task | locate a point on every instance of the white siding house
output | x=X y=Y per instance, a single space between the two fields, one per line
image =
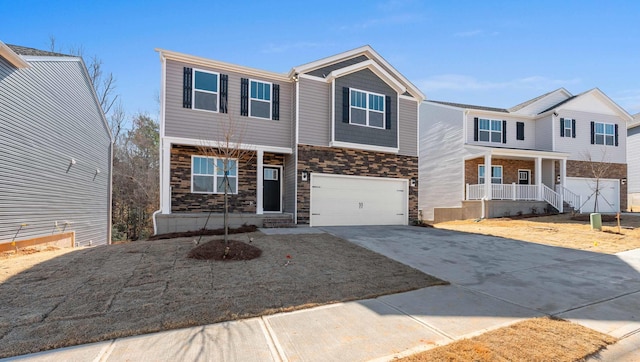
x=478 y=161
x=55 y=150
x=633 y=157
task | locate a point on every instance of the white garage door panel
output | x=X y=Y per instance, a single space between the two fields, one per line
x=345 y=200
x=609 y=195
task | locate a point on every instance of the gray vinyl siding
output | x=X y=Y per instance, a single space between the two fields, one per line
x=48 y=116
x=544 y=132
x=408 y=127
x=324 y=71
x=202 y=125
x=441 y=159
x=365 y=80
x=315 y=112
x=580 y=147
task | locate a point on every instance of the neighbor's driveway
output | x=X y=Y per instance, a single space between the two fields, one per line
x=600 y=291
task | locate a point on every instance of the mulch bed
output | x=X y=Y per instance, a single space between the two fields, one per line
x=205 y=232
x=218 y=250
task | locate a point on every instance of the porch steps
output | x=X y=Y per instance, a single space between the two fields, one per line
x=280 y=221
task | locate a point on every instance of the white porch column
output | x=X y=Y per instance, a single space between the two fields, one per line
x=563 y=172
x=487 y=176
x=538 y=171
x=165 y=176
x=259 y=176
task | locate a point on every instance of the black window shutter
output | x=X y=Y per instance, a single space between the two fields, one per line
x=275 y=103
x=573 y=128
x=593 y=133
x=616 y=135
x=520 y=131
x=561 y=127
x=224 y=89
x=345 y=104
x=244 y=96
x=475 y=129
x=504 y=131
x=186 y=87
x=387 y=112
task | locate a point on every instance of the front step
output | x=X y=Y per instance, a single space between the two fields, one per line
x=285 y=221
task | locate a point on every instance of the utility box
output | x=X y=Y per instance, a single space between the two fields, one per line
x=596 y=221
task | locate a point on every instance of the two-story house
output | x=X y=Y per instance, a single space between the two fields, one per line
x=555 y=150
x=332 y=142
x=633 y=150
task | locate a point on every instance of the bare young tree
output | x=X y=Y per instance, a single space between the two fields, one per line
x=227 y=147
x=599 y=168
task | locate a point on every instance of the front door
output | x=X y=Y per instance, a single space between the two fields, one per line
x=271 y=190
x=524 y=176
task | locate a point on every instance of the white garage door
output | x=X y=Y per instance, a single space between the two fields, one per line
x=352 y=200
x=608 y=196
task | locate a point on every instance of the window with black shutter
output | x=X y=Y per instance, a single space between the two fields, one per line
x=520 y=131
x=244 y=96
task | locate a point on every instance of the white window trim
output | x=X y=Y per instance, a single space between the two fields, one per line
x=604 y=134
x=367 y=109
x=261 y=100
x=215 y=176
x=490 y=130
x=481 y=180
x=193 y=91
x=568 y=126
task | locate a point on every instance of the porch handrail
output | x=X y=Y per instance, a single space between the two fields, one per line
x=475 y=192
x=571 y=198
x=553 y=198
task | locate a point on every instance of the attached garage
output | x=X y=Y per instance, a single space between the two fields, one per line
x=608 y=196
x=355 y=200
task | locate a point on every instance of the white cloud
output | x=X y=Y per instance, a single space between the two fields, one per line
x=398 y=19
x=629 y=100
x=459 y=82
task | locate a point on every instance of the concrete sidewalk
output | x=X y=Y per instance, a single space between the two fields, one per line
x=380 y=328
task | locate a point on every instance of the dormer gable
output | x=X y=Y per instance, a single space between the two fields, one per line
x=593 y=101
x=355 y=60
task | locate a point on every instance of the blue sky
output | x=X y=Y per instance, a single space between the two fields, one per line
x=492 y=53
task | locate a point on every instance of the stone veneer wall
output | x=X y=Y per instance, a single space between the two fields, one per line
x=610 y=171
x=509 y=169
x=344 y=161
x=183 y=200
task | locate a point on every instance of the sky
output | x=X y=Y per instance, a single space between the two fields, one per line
x=490 y=53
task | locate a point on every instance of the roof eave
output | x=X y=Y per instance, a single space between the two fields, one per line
x=12 y=57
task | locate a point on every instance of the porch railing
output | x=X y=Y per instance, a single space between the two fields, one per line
x=553 y=198
x=504 y=192
x=574 y=200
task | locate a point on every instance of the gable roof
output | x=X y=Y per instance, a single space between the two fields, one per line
x=636 y=121
x=470 y=106
x=558 y=92
x=376 y=62
x=12 y=57
x=597 y=92
x=34 y=52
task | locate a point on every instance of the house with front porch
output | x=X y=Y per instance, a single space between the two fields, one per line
x=551 y=153
x=331 y=142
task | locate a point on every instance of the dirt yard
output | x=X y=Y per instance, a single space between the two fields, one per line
x=52 y=299
x=558 y=230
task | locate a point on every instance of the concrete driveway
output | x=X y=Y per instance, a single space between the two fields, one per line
x=600 y=291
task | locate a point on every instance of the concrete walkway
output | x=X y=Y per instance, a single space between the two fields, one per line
x=495 y=282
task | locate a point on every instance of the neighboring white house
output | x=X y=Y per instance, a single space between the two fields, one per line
x=55 y=151
x=489 y=162
x=633 y=156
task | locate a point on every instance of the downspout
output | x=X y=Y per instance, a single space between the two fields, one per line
x=110 y=193
x=163 y=67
